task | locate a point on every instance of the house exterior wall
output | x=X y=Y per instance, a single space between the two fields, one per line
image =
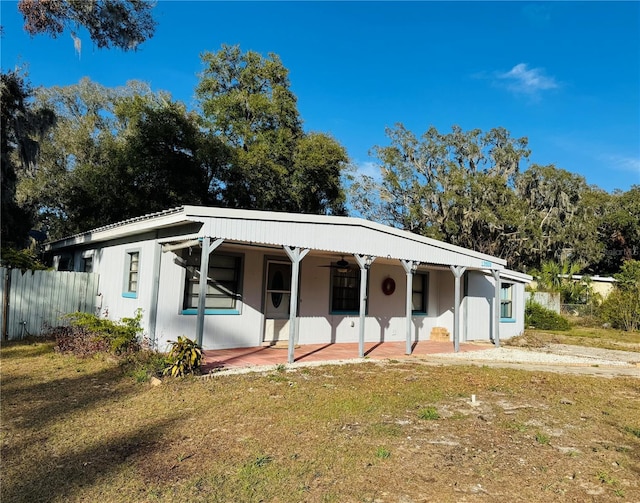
x=161 y=278
x=479 y=303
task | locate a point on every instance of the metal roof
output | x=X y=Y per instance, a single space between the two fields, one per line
x=336 y=234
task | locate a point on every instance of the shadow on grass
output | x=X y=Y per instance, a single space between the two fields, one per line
x=25 y=349
x=46 y=402
x=63 y=477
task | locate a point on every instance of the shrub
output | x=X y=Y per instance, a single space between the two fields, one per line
x=88 y=334
x=622 y=306
x=544 y=319
x=185 y=357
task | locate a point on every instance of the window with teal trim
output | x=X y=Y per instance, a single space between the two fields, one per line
x=224 y=288
x=506 y=301
x=132 y=268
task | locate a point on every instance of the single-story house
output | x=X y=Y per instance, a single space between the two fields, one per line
x=233 y=278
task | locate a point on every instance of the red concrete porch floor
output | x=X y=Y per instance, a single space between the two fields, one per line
x=224 y=359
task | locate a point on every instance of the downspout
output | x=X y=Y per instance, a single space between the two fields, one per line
x=155 y=293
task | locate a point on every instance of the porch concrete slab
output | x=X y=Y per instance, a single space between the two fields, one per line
x=222 y=359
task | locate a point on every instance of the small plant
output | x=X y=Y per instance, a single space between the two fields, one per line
x=542 y=439
x=262 y=460
x=632 y=430
x=429 y=413
x=185 y=357
x=281 y=367
x=383 y=453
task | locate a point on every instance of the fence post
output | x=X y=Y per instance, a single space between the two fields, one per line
x=5 y=301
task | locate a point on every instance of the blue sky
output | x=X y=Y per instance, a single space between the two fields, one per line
x=565 y=75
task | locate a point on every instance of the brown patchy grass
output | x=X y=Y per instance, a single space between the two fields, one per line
x=589 y=336
x=83 y=430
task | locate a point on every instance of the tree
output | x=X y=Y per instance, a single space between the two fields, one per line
x=22 y=128
x=247 y=103
x=620 y=229
x=457 y=187
x=116 y=154
x=562 y=216
x=111 y=23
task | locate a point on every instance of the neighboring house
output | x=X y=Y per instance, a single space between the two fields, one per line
x=275 y=277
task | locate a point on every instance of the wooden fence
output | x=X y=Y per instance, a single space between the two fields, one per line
x=33 y=300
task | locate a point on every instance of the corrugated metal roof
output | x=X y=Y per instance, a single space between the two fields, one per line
x=336 y=234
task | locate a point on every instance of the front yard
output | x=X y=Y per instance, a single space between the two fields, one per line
x=86 y=430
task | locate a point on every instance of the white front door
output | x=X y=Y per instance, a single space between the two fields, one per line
x=277 y=300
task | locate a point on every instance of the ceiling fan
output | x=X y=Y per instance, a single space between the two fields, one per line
x=341 y=265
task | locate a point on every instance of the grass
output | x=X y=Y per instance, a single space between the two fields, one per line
x=90 y=429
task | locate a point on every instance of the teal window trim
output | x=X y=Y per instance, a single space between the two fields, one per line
x=189 y=303
x=345 y=313
x=128 y=273
x=191 y=312
x=506 y=303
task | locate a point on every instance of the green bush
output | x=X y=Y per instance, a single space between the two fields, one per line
x=185 y=357
x=542 y=318
x=88 y=333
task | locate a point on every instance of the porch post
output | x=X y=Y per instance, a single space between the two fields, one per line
x=457 y=271
x=296 y=255
x=208 y=245
x=364 y=261
x=410 y=268
x=496 y=309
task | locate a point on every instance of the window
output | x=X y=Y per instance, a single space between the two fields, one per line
x=87 y=264
x=65 y=263
x=224 y=290
x=506 y=301
x=345 y=291
x=419 y=293
x=132 y=268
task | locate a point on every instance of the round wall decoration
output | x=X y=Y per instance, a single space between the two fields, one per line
x=388 y=286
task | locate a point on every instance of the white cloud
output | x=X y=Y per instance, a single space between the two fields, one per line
x=623 y=163
x=368 y=168
x=525 y=80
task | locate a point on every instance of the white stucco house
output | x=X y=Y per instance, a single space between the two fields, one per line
x=273 y=277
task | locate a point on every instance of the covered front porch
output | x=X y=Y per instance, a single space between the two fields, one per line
x=236 y=358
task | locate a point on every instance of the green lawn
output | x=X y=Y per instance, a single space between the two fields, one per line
x=86 y=430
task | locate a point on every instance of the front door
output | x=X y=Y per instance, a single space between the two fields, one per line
x=277 y=299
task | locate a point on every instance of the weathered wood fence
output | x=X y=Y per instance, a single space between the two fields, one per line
x=33 y=300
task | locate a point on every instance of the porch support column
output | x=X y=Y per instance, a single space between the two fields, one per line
x=410 y=268
x=364 y=261
x=457 y=271
x=296 y=255
x=496 y=307
x=208 y=245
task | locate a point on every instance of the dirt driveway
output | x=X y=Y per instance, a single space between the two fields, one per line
x=560 y=358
